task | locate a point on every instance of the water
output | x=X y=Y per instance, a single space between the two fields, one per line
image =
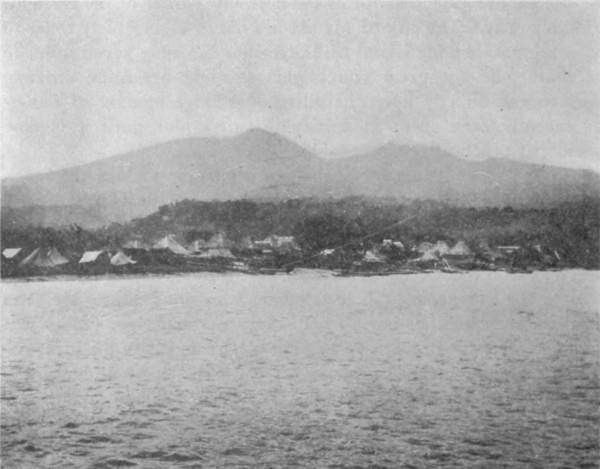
x=480 y=370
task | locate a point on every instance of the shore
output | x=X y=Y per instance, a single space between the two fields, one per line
x=62 y=276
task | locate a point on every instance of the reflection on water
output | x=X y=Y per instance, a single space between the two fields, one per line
x=480 y=370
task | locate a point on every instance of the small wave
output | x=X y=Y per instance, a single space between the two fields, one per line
x=133 y=423
x=96 y=439
x=438 y=456
x=178 y=457
x=234 y=452
x=417 y=442
x=486 y=443
x=106 y=420
x=149 y=455
x=141 y=436
x=108 y=463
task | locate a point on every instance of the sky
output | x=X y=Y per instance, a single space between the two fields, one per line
x=83 y=81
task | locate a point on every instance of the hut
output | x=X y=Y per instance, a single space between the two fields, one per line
x=48 y=257
x=169 y=243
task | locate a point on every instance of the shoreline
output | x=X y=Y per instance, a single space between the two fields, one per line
x=71 y=277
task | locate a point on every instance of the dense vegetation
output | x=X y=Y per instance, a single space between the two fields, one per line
x=572 y=229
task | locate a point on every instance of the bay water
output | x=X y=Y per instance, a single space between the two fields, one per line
x=480 y=370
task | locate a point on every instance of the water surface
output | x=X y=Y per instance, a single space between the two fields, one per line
x=479 y=370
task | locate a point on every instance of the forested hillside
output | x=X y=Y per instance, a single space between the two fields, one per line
x=570 y=228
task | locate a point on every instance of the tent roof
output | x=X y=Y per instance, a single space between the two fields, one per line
x=9 y=253
x=90 y=256
x=168 y=242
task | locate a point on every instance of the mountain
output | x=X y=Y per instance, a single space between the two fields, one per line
x=136 y=183
x=421 y=172
x=263 y=165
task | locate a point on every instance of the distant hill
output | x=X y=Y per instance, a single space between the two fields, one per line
x=263 y=165
x=420 y=172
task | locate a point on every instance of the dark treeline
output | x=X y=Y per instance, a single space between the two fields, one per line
x=571 y=228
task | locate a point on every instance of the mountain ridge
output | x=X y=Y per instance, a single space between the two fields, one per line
x=262 y=164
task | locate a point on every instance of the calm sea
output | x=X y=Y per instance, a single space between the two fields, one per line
x=483 y=370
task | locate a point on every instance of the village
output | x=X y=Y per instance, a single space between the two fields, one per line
x=275 y=254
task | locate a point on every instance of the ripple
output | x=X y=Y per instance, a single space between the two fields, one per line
x=149 y=455
x=108 y=463
x=97 y=439
x=234 y=452
x=71 y=425
x=179 y=457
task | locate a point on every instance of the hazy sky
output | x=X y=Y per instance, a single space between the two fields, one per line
x=82 y=81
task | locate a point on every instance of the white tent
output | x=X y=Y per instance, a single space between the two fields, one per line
x=460 y=249
x=371 y=256
x=11 y=253
x=441 y=248
x=168 y=242
x=90 y=256
x=45 y=257
x=429 y=256
x=120 y=258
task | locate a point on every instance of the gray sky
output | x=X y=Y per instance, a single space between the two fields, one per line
x=82 y=81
